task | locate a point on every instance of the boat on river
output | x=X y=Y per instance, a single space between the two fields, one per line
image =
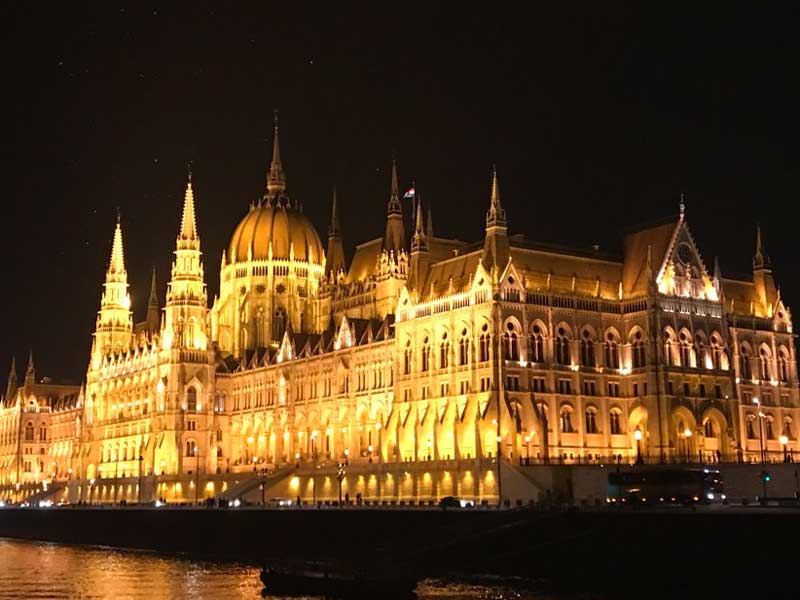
x=329 y=582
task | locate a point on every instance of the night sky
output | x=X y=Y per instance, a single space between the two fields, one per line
x=596 y=120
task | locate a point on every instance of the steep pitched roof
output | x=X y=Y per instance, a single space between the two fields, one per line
x=658 y=238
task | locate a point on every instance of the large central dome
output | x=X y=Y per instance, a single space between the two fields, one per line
x=284 y=227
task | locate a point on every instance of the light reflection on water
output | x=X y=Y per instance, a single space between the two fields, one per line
x=41 y=570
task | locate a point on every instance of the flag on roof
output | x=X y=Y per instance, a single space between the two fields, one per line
x=410 y=193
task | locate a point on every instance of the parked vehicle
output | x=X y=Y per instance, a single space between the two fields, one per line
x=665 y=486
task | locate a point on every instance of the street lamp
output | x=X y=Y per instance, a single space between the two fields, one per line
x=687 y=433
x=784 y=440
x=340 y=473
x=370 y=452
x=197 y=474
x=141 y=458
x=346 y=456
x=527 y=449
x=637 y=435
x=297 y=458
x=499 y=488
x=761 y=416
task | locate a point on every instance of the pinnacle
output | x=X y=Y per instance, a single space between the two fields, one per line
x=188 y=221
x=117 y=263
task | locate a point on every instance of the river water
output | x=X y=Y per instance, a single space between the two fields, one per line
x=41 y=570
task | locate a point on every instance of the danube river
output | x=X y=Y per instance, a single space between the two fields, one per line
x=42 y=570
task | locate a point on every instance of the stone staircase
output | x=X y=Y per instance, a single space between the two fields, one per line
x=252 y=482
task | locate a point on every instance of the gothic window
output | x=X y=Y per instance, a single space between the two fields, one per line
x=669 y=348
x=591 y=420
x=787 y=427
x=191 y=332
x=612 y=351
x=483 y=345
x=763 y=364
x=587 y=349
x=751 y=433
x=426 y=355
x=744 y=363
x=639 y=356
x=566 y=420
x=279 y=324
x=29 y=432
x=562 y=347
x=407 y=359
x=716 y=353
x=537 y=345
x=444 y=352
x=43 y=433
x=510 y=343
x=708 y=429
x=463 y=348
x=260 y=341
x=191 y=400
x=191 y=448
x=614 y=423
x=783 y=365
x=770 y=429
x=685 y=350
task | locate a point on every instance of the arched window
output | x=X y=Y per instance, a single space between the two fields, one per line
x=770 y=428
x=708 y=428
x=745 y=368
x=685 y=348
x=639 y=352
x=751 y=430
x=537 y=345
x=407 y=359
x=191 y=448
x=191 y=399
x=763 y=363
x=191 y=332
x=587 y=349
x=29 y=432
x=700 y=354
x=716 y=353
x=510 y=343
x=566 y=420
x=783 y=365
x=614 y=422
x=279 y=324
x=787 y=427
x=562 y=347
x=591 y=420
x=463 y=348
x=444 y=352
x=612 y=351
x=43 y=433
x=483 y=345
x=426 y=355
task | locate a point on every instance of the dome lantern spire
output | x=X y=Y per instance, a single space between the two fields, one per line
x=188 y=220
x=276 y=182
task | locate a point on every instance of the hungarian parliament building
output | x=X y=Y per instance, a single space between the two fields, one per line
x=421 y=365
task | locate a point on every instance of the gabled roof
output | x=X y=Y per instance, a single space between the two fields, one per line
x=658 y=238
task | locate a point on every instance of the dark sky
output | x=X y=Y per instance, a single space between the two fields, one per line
x=597 y=120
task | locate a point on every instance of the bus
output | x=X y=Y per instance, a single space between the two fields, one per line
x=665 y=486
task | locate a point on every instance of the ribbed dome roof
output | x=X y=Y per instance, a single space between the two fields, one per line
x=280 y=225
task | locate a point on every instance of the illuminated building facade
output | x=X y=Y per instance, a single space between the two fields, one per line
x=422 y=351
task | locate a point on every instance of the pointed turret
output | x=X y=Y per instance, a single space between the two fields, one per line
x=394 y=238
x=188 y=230
x=11 y=388
x=185 y=313
x=30 y=374
x=495 y=247
x=763 y=280
x=114 y=326
x=419 y=243
x=153 y=312
x=276 y=182
x=418 y=269
x=335 y=255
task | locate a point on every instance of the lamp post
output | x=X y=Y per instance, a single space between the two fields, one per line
x=527 y=449
x=784 y=440
x=761 y=416
x=141 y=458
x=340 y=473
x=347 y=456
x=637 y=435
x=499 y=487
x=370 y=452
x=687 y=433
x=297 y=458
x=263 y=492
x=91 y=490
x=196 y=474
x=116 y=482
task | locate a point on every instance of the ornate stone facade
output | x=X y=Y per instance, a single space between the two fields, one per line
x=424 y=350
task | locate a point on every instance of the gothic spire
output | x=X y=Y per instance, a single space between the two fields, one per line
x=276 y=182
x=334 y=259
x=761 y=259
x=117 y=263
x=12 y=374
x=188 y=221
x=496 y=215
x=420 y=241
x=394 y=206
x=153 y=300
x=429 y=222
x=11 y=387
x=334 y=230
x=31 y=369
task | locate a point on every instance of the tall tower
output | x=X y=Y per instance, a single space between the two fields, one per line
x=419 y=251
x=335 y=254
x=153 y=312
x=764 y=282
x=185 y=313
x=495 y=246
x=114 y=326
x=11 y=388
x=395 y=237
